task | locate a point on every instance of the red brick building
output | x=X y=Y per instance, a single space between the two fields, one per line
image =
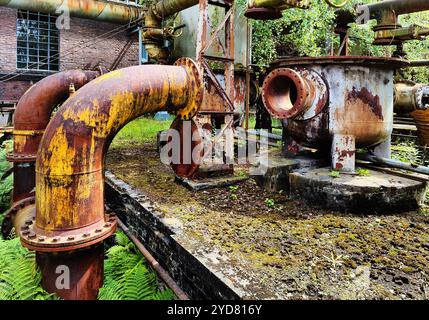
x=32 y=47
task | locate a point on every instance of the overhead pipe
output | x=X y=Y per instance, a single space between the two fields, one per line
x=69 y=216
x=113 y=12
x=153 y=18
x=399 y=7
x=31 y=117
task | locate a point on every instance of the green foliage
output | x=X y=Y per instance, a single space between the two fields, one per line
x=19 y=276
x=6 y=181
x=334 y=174
x=126 y=277
x=141 y=130
x=407 y=151
x=363 y=172
x=310 y=33
x=270 y=203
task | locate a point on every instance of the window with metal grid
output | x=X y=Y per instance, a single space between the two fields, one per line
x=37 y=41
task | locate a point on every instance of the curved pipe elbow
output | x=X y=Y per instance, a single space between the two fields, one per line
x=34 y=109
x=70 y=162
x=31 y=117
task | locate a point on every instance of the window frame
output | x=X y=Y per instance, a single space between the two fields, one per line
x=33 y=54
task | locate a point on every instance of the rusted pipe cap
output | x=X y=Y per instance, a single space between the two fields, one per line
x=196 y=89
x=284 y=93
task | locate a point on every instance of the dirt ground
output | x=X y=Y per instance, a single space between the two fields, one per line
x=291 y=251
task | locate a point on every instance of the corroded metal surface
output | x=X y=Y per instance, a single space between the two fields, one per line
x=113 y=12
x=69 y=168
x=359 y=108
x=409 y=98
x=85 y=268
x=69 y=212
x=31 y=117
x=294 y=93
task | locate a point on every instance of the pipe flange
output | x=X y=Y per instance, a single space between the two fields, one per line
x=20 y=157
x=39 y=240
x=10 y=215
x=284 y=93
x=196 y=90
x=318 y=94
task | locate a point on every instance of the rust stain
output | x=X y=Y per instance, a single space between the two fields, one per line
x=368 y=98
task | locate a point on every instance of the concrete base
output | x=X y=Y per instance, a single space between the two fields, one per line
x=277 y=172
x=207 y=183
x=376 y=193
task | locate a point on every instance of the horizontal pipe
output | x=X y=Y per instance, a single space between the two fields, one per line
x=165 y=8
x=419 y=63
x=394 y=163
x=398 y=6
x=163 y=274
x=113 y=12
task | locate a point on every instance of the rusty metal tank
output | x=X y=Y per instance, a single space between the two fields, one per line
x=339 y=103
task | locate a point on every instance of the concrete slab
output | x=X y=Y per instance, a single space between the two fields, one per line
x=214 y=182
x=277 y=171
x=375 y=192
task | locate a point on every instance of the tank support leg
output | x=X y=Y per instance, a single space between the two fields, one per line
x=343 y=153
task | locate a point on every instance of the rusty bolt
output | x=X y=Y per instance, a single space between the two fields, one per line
x=28 y=222
x=24 y=227
x=107 y=225
x=56 y=239
x=31 y=235
x=41 y=239
x=86 y=235
x=98 y=230
x=70 y=238
x=25 y=232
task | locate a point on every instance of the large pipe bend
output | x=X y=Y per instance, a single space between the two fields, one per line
x=31 y=117
x=70 y=162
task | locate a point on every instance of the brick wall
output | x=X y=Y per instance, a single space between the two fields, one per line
x=96 y=48
x=84 y=46
x=7 y=39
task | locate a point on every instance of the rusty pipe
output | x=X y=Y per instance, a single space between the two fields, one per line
x=398 y=6
x=69 y=211
x=409 y=98
x=31 y=117
x=289 y=93
x=166 y=8
x=113 y=12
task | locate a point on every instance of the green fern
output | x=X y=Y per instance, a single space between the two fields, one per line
x=19 y=277
x=6 y=180
x=126 y=277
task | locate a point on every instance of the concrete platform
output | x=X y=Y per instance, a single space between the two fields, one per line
x=377 y=192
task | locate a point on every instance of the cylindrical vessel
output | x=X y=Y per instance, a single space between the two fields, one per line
x=357 y=114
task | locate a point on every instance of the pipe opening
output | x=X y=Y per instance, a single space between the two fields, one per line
x=285 y=93
x=282 y=94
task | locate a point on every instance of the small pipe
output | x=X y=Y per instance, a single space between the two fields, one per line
x=163 y=274
x=394 y=163
x=419 y=63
